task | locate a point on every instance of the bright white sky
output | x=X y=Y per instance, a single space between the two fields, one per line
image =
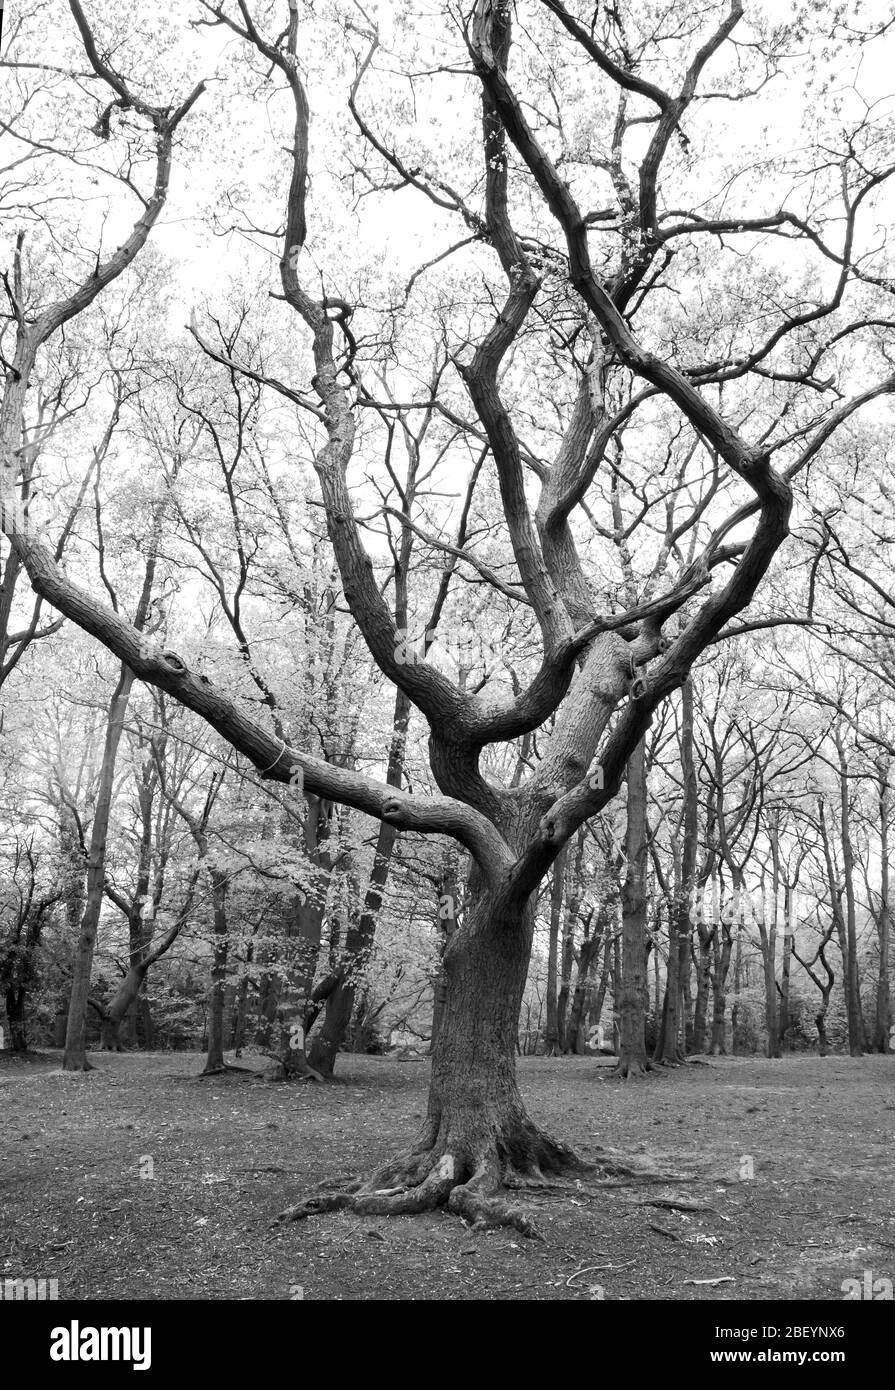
x=406 y=228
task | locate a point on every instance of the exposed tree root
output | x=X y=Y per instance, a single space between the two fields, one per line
x=225 y=1070
x=475 y=1199
x=463 y=1176
x=295 y=1068
x=469 y=1180
x=670 y=1063
x=676 y=1204
x=630 y=1069
x=613 y=1165
x=298 y=1068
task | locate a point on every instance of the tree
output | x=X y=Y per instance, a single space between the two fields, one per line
x=141 y=907
x=75 y=1057
x=632 y=1060
x=883 y=912
x=23 y=915
x=605 y=664
x=669 y=1047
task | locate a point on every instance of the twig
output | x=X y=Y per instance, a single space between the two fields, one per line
x=589 y=1269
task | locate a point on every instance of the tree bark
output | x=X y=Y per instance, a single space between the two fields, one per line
x=15 y=1013
x=686 y=972
x=722 y=948
x=131 y=990
x=703 y=984
x=632 y=1061
x=783 y=1019
x=567 y=953
x=353 y=951
x=268 y=999
x=856 y=1038
x=843 y=923
x=825 y=986
x=75 y=1056
x=448 y=908
x=214 y=1061
x=304 y=928
x=669 y=1048
x=477 y=1134
x=237 y=1037
x=767 y=930
x=588 y=955
x=883 y=1020
x=551 y=1037
x=360 y=934
x=284 y=1020
x=477 y=1128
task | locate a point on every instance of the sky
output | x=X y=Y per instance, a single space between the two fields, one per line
x=236 y=135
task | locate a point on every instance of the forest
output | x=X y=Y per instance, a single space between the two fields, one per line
x=446 y=615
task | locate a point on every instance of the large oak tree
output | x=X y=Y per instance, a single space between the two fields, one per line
x=586 y=295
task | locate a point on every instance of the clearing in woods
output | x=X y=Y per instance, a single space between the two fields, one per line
x=228 y=1154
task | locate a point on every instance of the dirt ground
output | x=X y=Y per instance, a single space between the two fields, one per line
x=796 y=1189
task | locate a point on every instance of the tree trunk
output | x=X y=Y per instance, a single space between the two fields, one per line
x=603 y=987
x=722 y=948
x=551 y=1038
x=783 y=1021
x=852 y=982
x=825 y=987
x=15 y=1013
x=329 y=1039
x=285 y=1014
x=476 y=1118
x=821 y=1015
x=143 y=1014
x=820 y=1023
x=883 y=1020
x=769 y=974
x=304 y=929
x=703 y=979
x=268 y=1000
x=448 y=907
x=75 y=1057
x=567 y=954
x=820 y=1018
x=849 y=967
x=360 y=935
x=214 y=1061
x=237 y=1037
x=767 y=928
x=616 y=989
x=130 y=994
x=686 y=954
x=669 y=1048
x=632 y=1060
x=477 y=1134
x=657 y=985
x=571 y=1027
x=737 y=1043
x=121 y=1006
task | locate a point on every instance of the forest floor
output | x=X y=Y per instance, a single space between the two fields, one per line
x=227 y=1154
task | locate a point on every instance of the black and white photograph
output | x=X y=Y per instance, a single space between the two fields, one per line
x=447 y=669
